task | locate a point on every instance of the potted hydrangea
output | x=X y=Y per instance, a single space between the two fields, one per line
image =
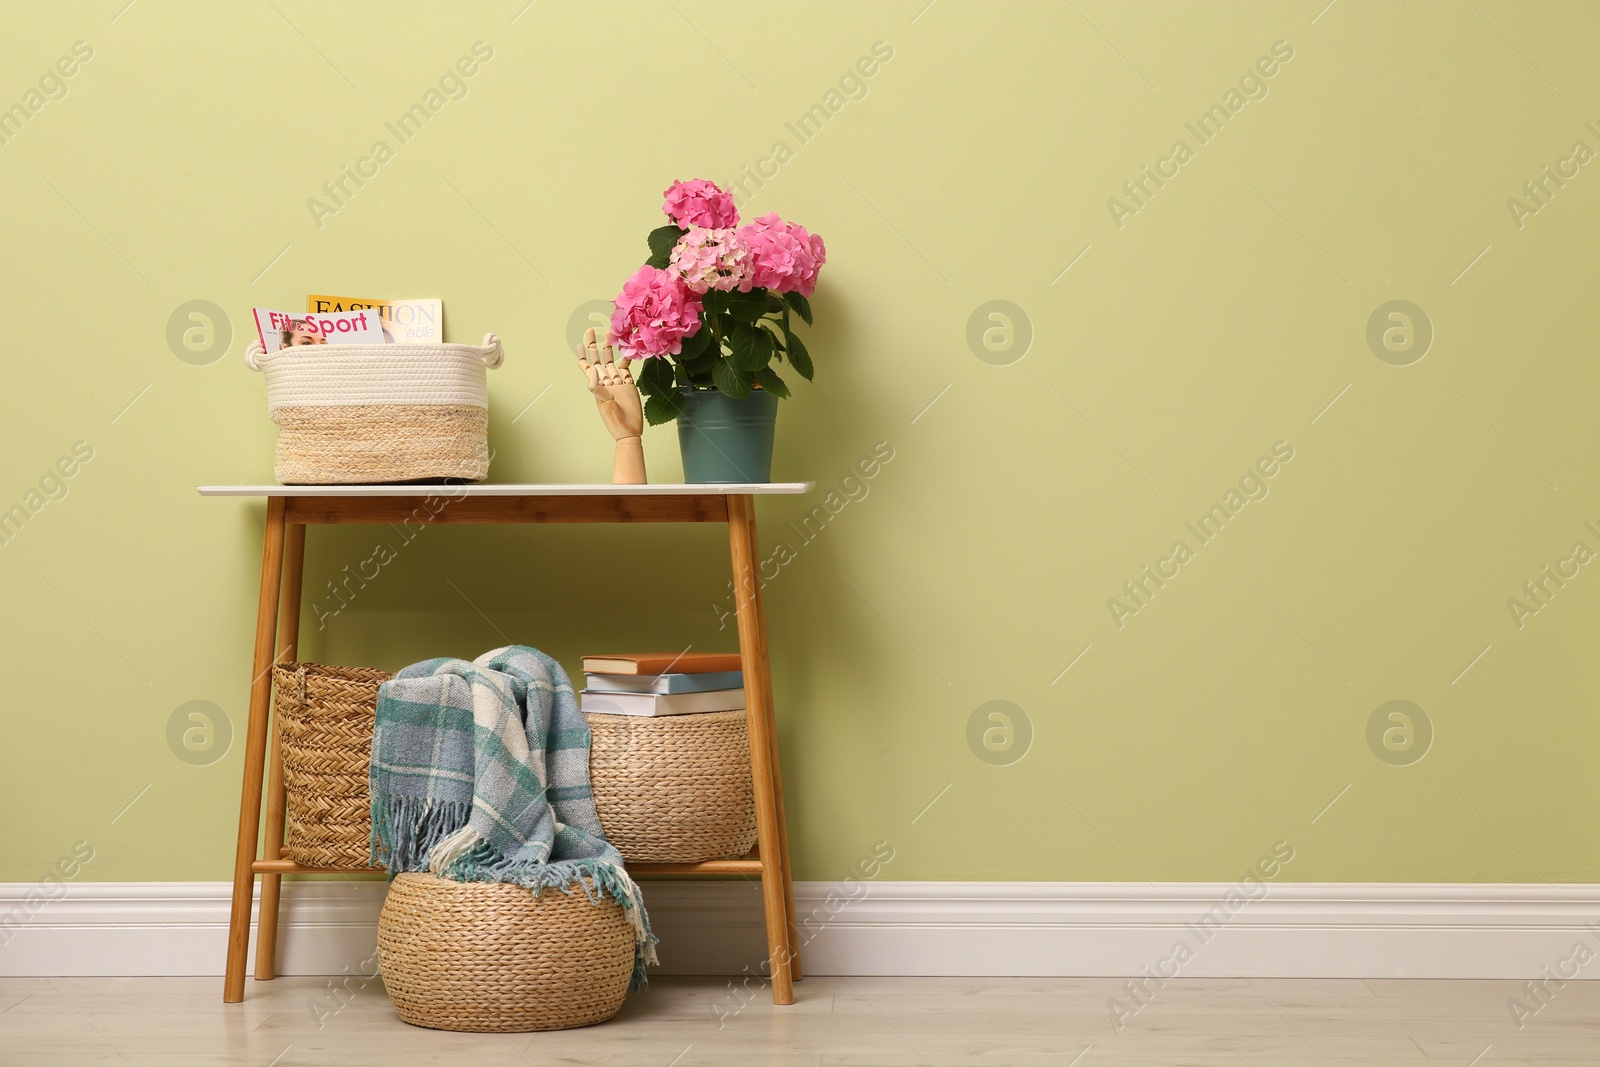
x=706 y=318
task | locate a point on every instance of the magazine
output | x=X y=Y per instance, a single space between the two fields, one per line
x=283 y=329
x=404 y=321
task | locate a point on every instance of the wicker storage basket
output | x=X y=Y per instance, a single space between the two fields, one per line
x=673 y=788
x=351 y=414
x=325 y=717
x=485 y=957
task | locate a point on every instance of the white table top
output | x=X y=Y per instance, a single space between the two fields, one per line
x=483 y=489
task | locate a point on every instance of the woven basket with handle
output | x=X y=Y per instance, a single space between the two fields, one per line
x=365 y=413
x=673 y=788
x=325 y=718
x=492 y=958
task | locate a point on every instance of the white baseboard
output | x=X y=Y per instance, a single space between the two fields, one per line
x=1325 y=930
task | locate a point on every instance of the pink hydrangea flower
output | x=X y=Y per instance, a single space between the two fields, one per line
x=711 y=259
x=654 y=313
x=806 y=283
x=784 y=257
x=700 y=203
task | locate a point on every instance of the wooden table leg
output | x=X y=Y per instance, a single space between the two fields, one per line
x=765 y=681
x=753 y=651
x=294 y=559
x=255 y=752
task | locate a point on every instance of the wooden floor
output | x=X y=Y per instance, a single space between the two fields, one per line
x=881 y=1022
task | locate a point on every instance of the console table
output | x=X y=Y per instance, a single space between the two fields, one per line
x=291 y=508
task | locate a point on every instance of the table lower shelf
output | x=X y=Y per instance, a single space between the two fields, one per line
x=746 y=864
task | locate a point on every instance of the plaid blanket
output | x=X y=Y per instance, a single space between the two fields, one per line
x=480 y=773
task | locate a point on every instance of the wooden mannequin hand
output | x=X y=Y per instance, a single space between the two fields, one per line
x=617 y=397
x=613 y=388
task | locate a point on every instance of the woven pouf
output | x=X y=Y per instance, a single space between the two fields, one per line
x=673 y=788
x=491 y=958
x=325 y=717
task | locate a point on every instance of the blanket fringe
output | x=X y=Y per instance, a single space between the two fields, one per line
x=406 y=830
x=453 y=847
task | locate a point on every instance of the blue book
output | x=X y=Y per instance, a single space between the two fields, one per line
x=662 y=684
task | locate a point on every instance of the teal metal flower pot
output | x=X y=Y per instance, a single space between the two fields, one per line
x=727 y=440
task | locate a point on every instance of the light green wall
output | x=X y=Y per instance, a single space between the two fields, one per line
x=1217 y=320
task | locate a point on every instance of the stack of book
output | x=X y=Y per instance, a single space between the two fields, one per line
x=662 y=683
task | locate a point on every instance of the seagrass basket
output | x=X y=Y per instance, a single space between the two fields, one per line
x=673 y=788
x=365 y=414
x=491 y=958
x=325 y=718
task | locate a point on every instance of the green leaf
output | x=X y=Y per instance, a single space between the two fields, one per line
x=799 y=357
x=752 y=347
x=747 y=307
x=663 y=407
x=695 y=345
x=715 y=302
x=655 y=376
x=700 y=365
x=741 y=338
x=777 y=344
x=768 y=379
x=761 y=350
x=661 y=242
x=730 y=381
x=801 y=305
